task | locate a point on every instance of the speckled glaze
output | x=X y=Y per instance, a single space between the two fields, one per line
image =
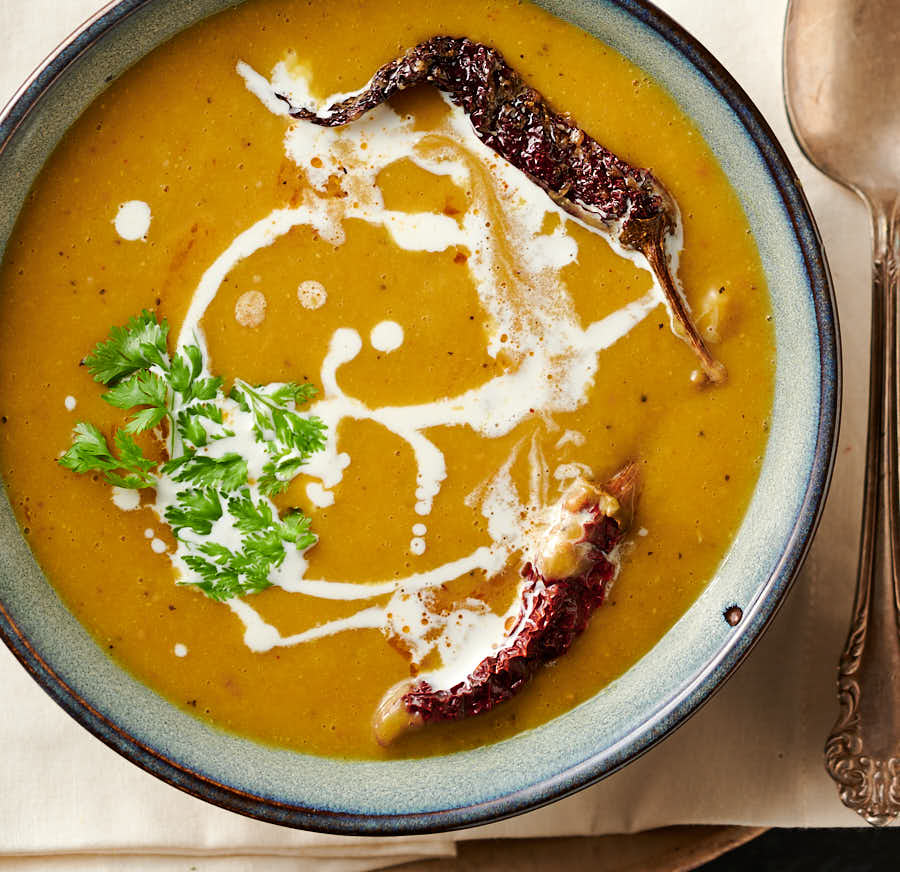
x=632 y=713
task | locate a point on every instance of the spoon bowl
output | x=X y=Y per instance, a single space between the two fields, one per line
x=842 y=77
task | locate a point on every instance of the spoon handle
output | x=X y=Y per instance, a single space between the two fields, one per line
x=862 y=753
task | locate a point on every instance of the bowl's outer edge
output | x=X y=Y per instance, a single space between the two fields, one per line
x=690 y=698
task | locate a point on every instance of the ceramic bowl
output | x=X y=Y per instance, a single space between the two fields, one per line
x=627 y=717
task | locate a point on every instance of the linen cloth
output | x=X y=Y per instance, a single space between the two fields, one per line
x=752 y=756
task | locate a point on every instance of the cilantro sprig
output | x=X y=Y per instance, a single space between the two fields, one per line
x=90 y=452
x=230 y=535
x=289 y=438
x=226 y=572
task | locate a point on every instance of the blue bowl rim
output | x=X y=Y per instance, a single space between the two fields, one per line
x=769 y=598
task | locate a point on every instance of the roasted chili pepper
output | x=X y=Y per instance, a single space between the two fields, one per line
x=564 y=582
x=578 y=173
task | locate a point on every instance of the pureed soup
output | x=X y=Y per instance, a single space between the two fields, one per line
x=366 y=420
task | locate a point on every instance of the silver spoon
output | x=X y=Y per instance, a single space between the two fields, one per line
x=842 y=88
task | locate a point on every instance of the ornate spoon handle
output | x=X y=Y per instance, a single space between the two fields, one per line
x=862 y=753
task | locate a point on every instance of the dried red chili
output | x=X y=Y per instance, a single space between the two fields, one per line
x=566 y=582
x=578 y=173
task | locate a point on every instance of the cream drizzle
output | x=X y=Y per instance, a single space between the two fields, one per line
x=132 y=221
x=530 y=317
x=386 y=336
x=126 y=499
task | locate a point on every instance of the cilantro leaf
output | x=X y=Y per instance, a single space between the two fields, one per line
x=90 y=452
x=139 y=345
x=289 y=436
x=228 y=471
x=295 y=528
x=146 y=419
x=205 y=388
x=297 y=392
x=224 y=572
x=142 y=388
x=195 y=509
x=250 y=517
x=179 y=374
x=278 y=473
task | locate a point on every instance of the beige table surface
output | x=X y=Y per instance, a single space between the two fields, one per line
x=752 y=756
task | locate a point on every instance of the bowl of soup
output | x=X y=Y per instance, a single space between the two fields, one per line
x=358 y=476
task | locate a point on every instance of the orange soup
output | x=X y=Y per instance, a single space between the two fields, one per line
x=275 y=561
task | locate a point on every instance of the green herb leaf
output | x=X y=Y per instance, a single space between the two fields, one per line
x=130 y=454
x=179 y=374
x=297 y=392
x=196 y=509
x=229 y=472
x=250 y=517
x=204 y=389
x=90 y=452
x=139 y=345
x=142 y=388
x=290 y=437
x=146 y=419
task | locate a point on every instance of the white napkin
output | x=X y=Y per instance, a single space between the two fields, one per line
x=752 y=756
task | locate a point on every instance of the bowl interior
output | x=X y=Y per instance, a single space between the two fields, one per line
x=627 y=716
